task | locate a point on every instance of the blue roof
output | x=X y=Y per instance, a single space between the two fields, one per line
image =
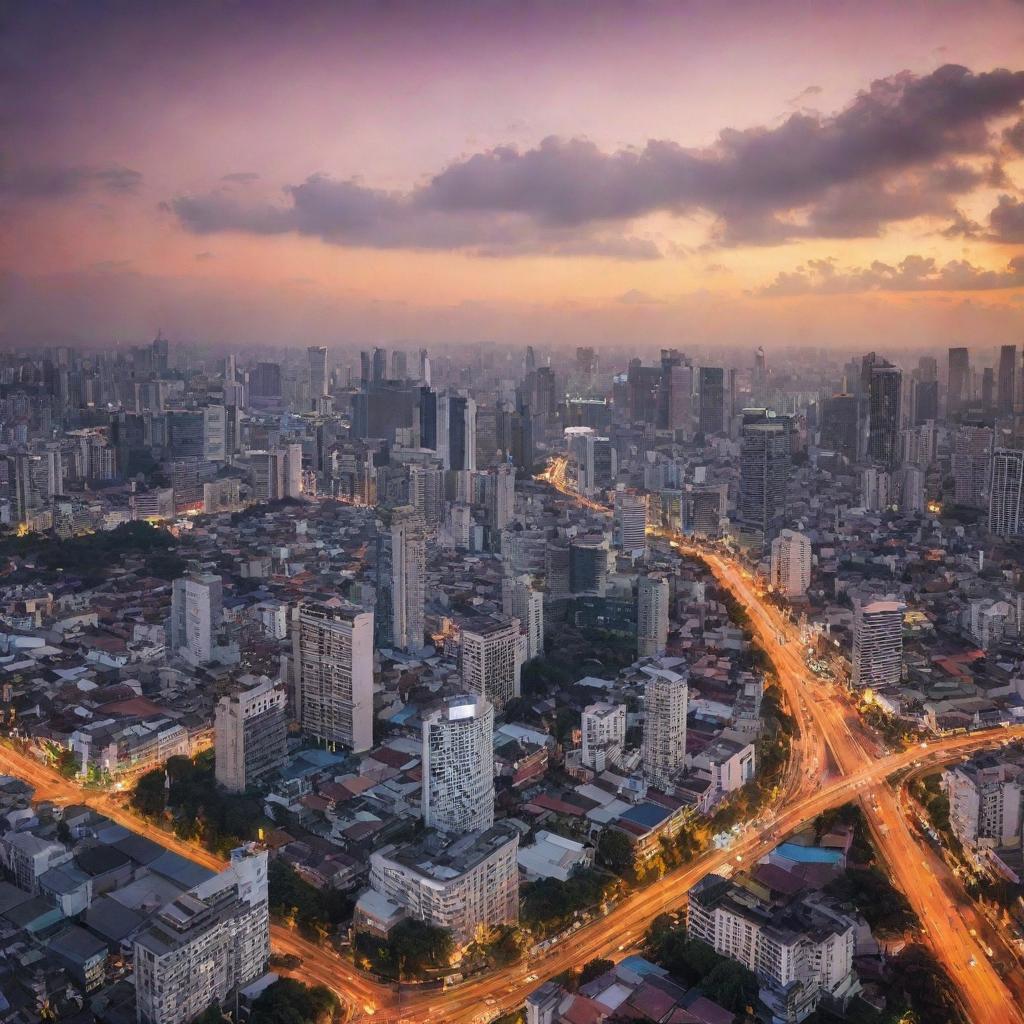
x=638 y=965
x=179 y=869
x=648 y=815
x=808 y=854
x=403 y=716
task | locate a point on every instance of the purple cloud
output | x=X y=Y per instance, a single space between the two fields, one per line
x=44 y=183
x=1007 y=220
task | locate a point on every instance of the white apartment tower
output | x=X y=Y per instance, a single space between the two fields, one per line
x=332 y=653
x=250 y=733
x=664 y=747
x=604 y=735
x=205 y=944
x=458 y=765
x=293 y=471
x=491 y=658
x=791 y=563
x=652 y=599
x=196 y=616
x=1004 y=508
x=408 y=578
x=631 y=521
x=878 y=644
x=520 y=601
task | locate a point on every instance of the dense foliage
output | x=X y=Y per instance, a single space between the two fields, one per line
x=413 y=950
x=296 y=903
x=549 y=905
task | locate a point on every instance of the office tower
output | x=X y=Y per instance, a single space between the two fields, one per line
x=588 y=565
x=456 y=432
x=365 y=369
x=924 y=401
x=424 y=368
x=928 y=369
x=1007 y=389
x=491 y=657
x=545 y=392
x=1007 y=488
x=161 y=355
x=630 y=520
x=791 y=564
x=250 y=734
x=408 y=578
x=675 y=390
x=970 y=464
x=759 y=380
x=652 y=597
x=988 y=389
x=317 y=356
x=878 y=644
x=840 y=424
x=603 y=727
x=601 y=464
x=197 y=611
x=520 y=601
x=215 y=433
x=664 y=744
x=265 y=381
x=426 y=494
x=427 y=411
x=399 y=365
x=206 y=944
x=332 y=657
x=378 y=366
x=499 y=496
x=958 y=392
x=884 y=392
x=185 y=434
x=765 y=454
x=703 y=509
x=458 y=765
x=712 y=400
x=643 y=384
x=586 y=367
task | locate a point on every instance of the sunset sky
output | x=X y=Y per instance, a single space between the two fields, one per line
x=612 y=173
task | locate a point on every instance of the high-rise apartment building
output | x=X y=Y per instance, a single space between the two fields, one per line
x=791 y=563
x=971 y=464
x=491 y=657
x=603 y=727
x=408 y=572
x=630 y=519
x=885 y=388
x=250 y=733
x=1006 y=398
x=878 y=644
x=765 y=457
x=332 y=655
x=205 y=944
x=197 y=611
x=652 y=600
x=1006 y=492
x=317 y=356
x=519 y=600
x=664 y=745
x=458 y=765
x=958 y=387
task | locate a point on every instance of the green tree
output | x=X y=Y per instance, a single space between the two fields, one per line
x=288 y=1001
x=150 y=794
x=594 y=969
x=615 y=851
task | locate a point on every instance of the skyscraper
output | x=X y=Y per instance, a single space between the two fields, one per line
x=519 y=600
x=196 y=615
x=884 y=392
x=378 y=366
x=840 y=422
x=408 y=571
x=970 y=464
x=332 y=656
x=664 y=745
x=958 y=388
x=317 y=356
x=878 y=644
x=652 y=599
x=1007 y=394
x=765 y=456
x=457 y=434
x=924 y=401
x=1006 y=492
x=491 y=657
x=631 y=521
x=791 y=563
x=712 y=399
x=250 y=734
x=458 y=765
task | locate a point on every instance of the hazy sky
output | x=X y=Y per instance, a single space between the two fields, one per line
x=628 y=173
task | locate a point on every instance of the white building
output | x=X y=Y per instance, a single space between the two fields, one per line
x=878 y=644
x=332 y=653
x=293 y=471
x=208 y=942
x=408 y=578
x=250 y=733
x=491 y=657
x=664 y=746
x=196 y=616
x=631 y=522
x=603 y=726
x=1007 y=487
x=215 y=433
x=458 y=765
x=652 y=599
x=985 y=801
x=520 y=601
x=791 y=563
x=471 y=882
x=877 y=492
x=26 y=857
x=553 y=856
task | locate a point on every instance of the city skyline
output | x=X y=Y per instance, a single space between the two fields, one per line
x=611 y=175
